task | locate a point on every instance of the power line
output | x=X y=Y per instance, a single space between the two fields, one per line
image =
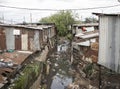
x=28 y=8
x=37 y=9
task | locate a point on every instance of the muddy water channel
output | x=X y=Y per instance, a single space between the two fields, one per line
x=58 y=70
x=59 y=73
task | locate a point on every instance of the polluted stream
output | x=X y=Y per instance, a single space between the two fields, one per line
x=60 y=73
x=58 y=68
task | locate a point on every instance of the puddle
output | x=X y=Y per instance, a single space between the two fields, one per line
x=60 y=81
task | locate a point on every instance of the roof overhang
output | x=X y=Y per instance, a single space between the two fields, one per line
x=107 y=14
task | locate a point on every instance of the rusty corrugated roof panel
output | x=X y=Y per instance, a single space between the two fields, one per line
x=17 y=58
x=27 y=27
x=36 y=23
x=20 y=26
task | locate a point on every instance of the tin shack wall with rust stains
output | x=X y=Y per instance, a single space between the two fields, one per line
x=10 y=38
x=32 y=38
x=52 y=32
x=36 y=40
x=41 y=38
x=29 y=39
x=18 y=39
x=86 y=53
x=2 y=39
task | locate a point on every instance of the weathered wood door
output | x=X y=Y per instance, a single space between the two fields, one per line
x=24 y=41
x=17 y=42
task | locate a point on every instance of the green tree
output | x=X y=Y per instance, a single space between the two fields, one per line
x=62 y=20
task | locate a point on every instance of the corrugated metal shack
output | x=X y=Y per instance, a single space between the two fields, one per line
x=47 y=34
x=25 y=37
x=85 y=42
x=85 y=52
x=109 y=48
x=26 y=40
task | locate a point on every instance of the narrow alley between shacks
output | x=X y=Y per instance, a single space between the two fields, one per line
x=59 y=44
x=58 y=76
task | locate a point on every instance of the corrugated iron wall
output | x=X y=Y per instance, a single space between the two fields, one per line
x=36 y=41
x=17 y=42
x=31 y=40
x=52 y=31
x=24 y=41
x=31 y=44
x=2 y=39
x=49 y=32
x=41 y=38
x=19 y=38
x=10 y=39
x=109 y=48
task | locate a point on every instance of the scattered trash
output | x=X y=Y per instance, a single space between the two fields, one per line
x=10 y=50
x=6 y=64
x=56 y=64
x=10 y=64
x=53 y=69
x=1 y=59
x=59 y=68
x=21 y=73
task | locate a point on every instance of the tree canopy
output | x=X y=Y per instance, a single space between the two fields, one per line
x=62 y=21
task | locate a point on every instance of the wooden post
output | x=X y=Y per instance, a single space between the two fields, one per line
x=47 y=69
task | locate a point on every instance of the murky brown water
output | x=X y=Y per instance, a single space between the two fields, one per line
x=59 y=62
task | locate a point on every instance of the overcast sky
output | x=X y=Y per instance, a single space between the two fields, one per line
x=21 y=15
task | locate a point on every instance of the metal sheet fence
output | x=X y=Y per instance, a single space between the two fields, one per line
x=109 y=42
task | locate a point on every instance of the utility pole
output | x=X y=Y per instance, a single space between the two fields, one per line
x=11 y=21
x=24 y=19
x=30 y=17
x=102 y=10
x=3 y=17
